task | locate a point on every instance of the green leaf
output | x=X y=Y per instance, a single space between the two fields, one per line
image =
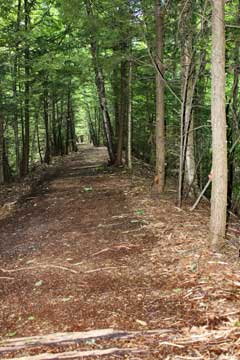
x=66 y=299
x=177 y=290
x=88 y=189
x=193 y=267
x=11 y=334
x=39 y=283
x=140 y=212
x=31 y=318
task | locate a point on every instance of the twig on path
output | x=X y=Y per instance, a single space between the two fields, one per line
x=83 y=354
x=116 y=247
x=6 y=278
x=39 y=266
x=104 y=269
x=101 y=251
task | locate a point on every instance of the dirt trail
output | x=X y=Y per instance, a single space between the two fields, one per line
x=93 y=248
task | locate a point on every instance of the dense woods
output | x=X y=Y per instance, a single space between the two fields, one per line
x=155 y=79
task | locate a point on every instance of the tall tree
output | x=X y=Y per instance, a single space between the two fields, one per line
x=188 y=86
x=1 y=149
x=100 y=83
x=26 y=133
x=160 y=125
x=15 y=92
x=219 y=138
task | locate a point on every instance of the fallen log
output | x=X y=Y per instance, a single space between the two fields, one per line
x=15 y=344
x=74 y=355
x=60 y=339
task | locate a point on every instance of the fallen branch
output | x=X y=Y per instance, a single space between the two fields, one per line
x=116 y=247
x=201 y=195
x=71 y=355
x=15 y=344
x=104 y=269
x=37 y=267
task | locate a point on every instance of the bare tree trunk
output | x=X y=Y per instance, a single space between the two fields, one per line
x=34 y=136
x=39 y=145
x=54 y=126
x=15 y=93
x=25 y=151
x=122 y=115
x=129 y=143
x=1 y=149
x=233 y=127
x=160 y=125
x=188 y=77
x=219 y=138
x=101 y=90
x=72 y=123
x=46 y=123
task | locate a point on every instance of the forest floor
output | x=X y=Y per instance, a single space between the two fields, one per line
x=92 y=247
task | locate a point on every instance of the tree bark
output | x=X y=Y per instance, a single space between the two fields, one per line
x=25 y=150
x=188 y=77
x=46 y=123
x=54 y=126
x=1 y=149
x=129 y=143
x=15 y=92
x=219 y=138
x=160 y=125
x=122 y=107
x=100 y=84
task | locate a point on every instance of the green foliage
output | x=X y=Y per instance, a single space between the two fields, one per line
x=60 y=62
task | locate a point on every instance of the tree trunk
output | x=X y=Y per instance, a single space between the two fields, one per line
x=25 y=150
x=71 y=123
x=34 y=136
x=129 y=143
x=15 y=93
x=219 y=139
x=188 y=80
x=46 y=123
x=160 y=125
x=123 y=104
x=54 y=127
x=233 y=127
x=101 y=90
x=1 y=149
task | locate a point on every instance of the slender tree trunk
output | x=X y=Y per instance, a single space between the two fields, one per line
x=101 y=90
x=115 y=88
x=39 y=145
x=160 y=125
x=188 y=79
x=60 y=125
x=91 y=127
x=1 y=149
x=122 y=115
x=34 y=137
x=219 y=139
x=54 y=126
x=15 y=93
x=129 y=143
x=6 y=166
x=25 y=151
x=71 y=122
x=46 y=123
x=234 y=126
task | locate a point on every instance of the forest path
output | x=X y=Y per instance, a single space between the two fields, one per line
x=93 y=248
